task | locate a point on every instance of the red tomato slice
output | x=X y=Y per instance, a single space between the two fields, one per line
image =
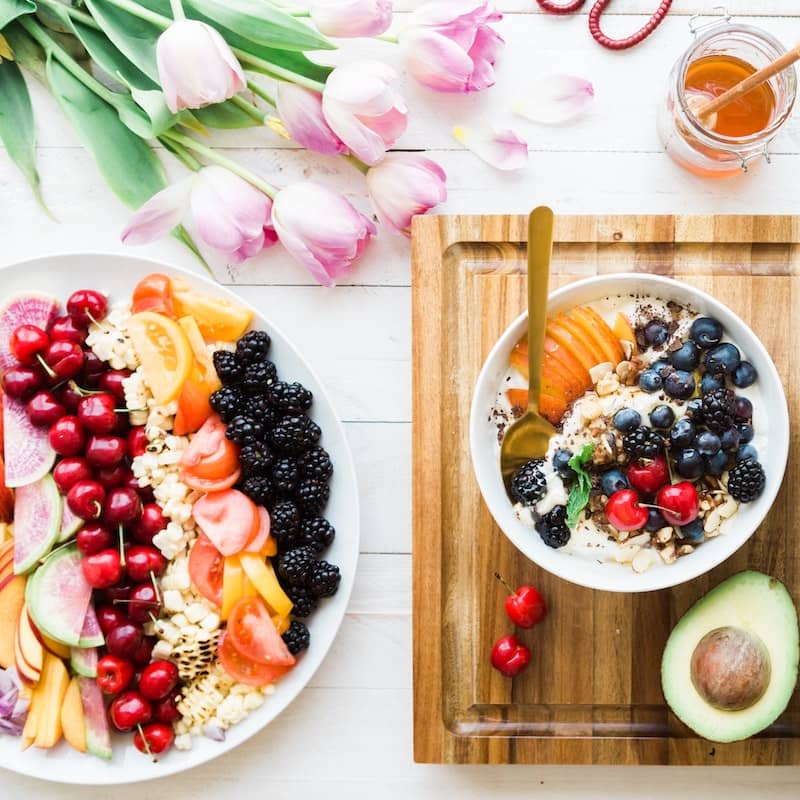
x=228 y=518
x=243 y=669
x=252 y=633
x=153 y=293
x=259 y=540
x=205 y=569
x=211 y=455
x=206 y=485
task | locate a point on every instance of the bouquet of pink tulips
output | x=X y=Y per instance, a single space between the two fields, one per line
x=130 y=73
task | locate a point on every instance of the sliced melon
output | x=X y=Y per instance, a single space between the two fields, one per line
x=70 y=524
x=33 y=308
x=27 y=452
x=98 y=738
x=37 y=522
x=83 y=660
x=91 y=633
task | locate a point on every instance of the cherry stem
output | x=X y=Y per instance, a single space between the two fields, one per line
x=153 y=617
x=45 y=366
x=84 y=392
x=121 y=534
x=155 y=586
x=146 y=744
x=504 y=582
x=97 y=322
x=98 y=512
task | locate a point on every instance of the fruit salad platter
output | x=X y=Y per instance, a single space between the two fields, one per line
x=173 y=561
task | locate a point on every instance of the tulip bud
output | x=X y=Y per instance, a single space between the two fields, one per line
x=350 y=18
x=300 y=111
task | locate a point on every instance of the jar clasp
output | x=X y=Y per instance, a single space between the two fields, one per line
x=721 y=12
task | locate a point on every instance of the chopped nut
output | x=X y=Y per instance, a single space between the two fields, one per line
x=728 y=508
x=712 y=534
x=705 y=505
x=641 y=539
x=664 y=535
x=590 y=409
x=622 y=535
x=712 y=522
x=641 y=561
x=600 y=371
x=605 y=450
x=626 y=553
x=685 y=549
x=608 y=384
x=668 y=554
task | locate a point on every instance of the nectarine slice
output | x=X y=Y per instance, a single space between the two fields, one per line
x=596 y=327
x=563 y=331
x=623 y=331
x=518 y=398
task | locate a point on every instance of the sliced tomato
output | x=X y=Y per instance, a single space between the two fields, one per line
x=153 y=293
x=259 y=540
x=206 y=485
x=243 y=669
x=211 y=455
x=252 y=632
x=206 y=565
x=229 y=519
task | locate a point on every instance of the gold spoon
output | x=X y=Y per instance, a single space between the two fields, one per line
x=530 y=435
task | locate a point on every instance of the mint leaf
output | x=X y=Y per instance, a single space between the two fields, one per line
x=579 y=493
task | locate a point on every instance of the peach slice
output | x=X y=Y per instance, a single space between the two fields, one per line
x=563 y=331
x=595 y=327
x=568 y=363
x=551 y=408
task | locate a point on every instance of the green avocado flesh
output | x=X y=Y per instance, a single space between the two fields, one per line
x=730 y=665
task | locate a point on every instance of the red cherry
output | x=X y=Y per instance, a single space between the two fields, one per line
x=93 y=369
x=96 y=413
x=648 y=476
x=103 y=450
x=21 y=382
x=166 y=710
x=679 y=503
x=122 y=506
x=158 y=679
x=109 y=618
x=510 y=656
x=92 y=538
x=624 y=512
x=124 y=640
x=118 y=593
x=144 y=602
x=111 y=382
x=69 y=395
x=44 y=410
x=113 y=477
x=149 y=524
x=128 y=710
x=154 y=738
x=85 y=498
x=525 y=606
x=69 y=471
x=64 y=329
x=86 y=306
x=137 y=441
x=144 y=652
x=102 y=569
x=65 y=360
x=67 y=436
x=141 y=560
x=26 y=342
x=114 y=674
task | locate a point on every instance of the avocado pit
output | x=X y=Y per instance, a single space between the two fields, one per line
x=730 y=668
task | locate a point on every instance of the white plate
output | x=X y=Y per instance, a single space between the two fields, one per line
x=117 y=275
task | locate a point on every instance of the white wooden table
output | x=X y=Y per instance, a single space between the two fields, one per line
x=349 y=734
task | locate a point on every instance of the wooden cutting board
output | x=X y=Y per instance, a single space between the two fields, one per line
x=592 y=694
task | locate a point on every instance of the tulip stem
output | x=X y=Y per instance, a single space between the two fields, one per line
x=142 y=13
x=252 y=111
x=177 y=9
x=182 y=154
x=358 y=164
x=296 y=13
x=262 y=93
x=75 y=13
x=387 y=37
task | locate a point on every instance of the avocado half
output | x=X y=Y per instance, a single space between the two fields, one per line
x=730 y=665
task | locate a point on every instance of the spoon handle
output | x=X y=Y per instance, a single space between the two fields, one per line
x=540 y=249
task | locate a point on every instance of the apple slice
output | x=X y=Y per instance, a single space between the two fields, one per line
x=28 y=650
x=72 y=721
x=12 y=599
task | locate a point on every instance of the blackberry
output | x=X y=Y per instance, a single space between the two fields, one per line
x=227 y=402
x=643 y=442
x=746 y=481
x=324 y=579
x=244 y=430
x=259 y=376
x=312 y=496
x=290 y=397
x=253 y=346
x=297 y=638
x=259 y=489
x=316 y=533
x=229 y=368
x=285 y=523
x=256 y=458
x=529 y=483
x=294 y=567
x=285 y=476
x=316 y=463
x=294 y=435
x=303 y=601
x=552 y=527
x=258 y=407
x=719 y=409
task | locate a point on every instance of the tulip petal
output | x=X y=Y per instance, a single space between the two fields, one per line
x=436 y=61
x=301 y=113
x=501 y=149
x=351 y=18
x=556 y=99
x=364 y=87
x=160 y=214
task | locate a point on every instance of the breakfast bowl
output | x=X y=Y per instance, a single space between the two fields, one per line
x=731 y=466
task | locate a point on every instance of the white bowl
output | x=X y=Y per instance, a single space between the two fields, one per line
x=772 y=416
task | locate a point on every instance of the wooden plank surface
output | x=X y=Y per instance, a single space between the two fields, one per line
x=593 y=696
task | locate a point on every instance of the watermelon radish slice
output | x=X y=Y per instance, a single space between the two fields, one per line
x=23 y=309
x=91 y=634
x=27 y=452
x=58 y=596
x=84 y=661
x=98 y=738
x=37 y=522
x=70 y=523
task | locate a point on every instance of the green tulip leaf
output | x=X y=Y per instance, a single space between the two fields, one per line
x=224 y=115
x=11 y=9
x=27 y=53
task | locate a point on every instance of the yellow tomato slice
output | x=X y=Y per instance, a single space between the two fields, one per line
x=263 y=577
x=202 y=357
x=233 y=578
x=164 y=351
x=218 y=318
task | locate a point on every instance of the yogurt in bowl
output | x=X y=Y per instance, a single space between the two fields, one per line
x=672 y=434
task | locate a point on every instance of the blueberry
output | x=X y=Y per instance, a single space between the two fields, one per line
x=730 y=439
x=682 y=433
x=613 y=481
x=694 y=409
x=746 y=451
x=743 y=409
x=693 y=532
x=711 y=382
x=706 y=332
x=679 y=384
x=650 y=381
x=561 y=463
x=655 y=333
x=746 y=432
x=722 y=358
x=662 y=417
x=655 y=520
x=744 y=375
x=718 y=463
x=707 y=443
x=661 y=366
x=687 y=357
x=626 y=419
x=689 y=463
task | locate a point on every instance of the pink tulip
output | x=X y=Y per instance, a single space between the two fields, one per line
x=349 y=18
x=449 y=45
x=196 y=68
x=224 y=211
x=300 y=111
x=402 y=186
x=320 y=229
x=363 y=109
